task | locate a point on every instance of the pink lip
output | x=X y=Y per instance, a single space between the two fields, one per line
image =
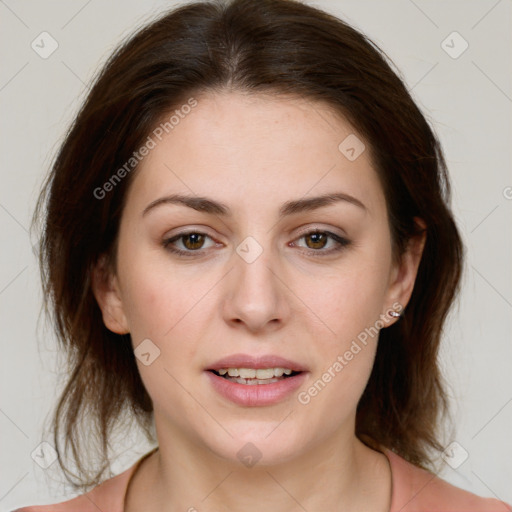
x=256 y=394
x=247 y=361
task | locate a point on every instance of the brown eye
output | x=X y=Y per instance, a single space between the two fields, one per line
x=192 y=243
x=323 y=243
x=318 y=240
x=193 y=240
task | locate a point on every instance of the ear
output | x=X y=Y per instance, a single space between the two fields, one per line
x=105 y=288
x=403 y=274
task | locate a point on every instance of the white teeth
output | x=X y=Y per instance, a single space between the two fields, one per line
x=251 y=382
x=251 y=373
x=247 y=373
x=265 y=373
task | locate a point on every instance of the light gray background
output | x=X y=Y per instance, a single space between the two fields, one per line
x=469 y=102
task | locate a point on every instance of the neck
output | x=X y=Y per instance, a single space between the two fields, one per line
x=338 y=474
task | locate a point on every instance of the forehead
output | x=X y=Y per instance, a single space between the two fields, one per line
x=257 y=150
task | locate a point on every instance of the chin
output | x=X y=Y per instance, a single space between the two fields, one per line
x=259 y=445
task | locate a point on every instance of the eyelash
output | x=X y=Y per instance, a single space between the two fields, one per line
x=341 y=241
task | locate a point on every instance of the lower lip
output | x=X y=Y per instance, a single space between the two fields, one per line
x=256 y=394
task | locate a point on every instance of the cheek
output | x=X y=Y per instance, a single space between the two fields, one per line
x=157 y=296
x=149 y=306
x=350 y=306
x=174 y=310
x=346 y=357
x=351 y=299
x=162 y=309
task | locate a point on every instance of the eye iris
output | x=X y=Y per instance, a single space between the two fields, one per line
x=318 y=240
x=196 y=241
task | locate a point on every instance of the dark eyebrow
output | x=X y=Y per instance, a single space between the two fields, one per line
x=203 y=204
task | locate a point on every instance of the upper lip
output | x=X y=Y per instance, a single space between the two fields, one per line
x=256 y=362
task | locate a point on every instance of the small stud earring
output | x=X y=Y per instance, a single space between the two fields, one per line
x=395 y=314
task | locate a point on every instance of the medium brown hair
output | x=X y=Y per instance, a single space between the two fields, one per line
x=257 y=47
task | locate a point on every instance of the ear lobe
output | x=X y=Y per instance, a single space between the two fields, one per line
x=405 y=272
x=106 y=291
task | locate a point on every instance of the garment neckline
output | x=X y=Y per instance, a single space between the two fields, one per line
x=390 y=457
x=131 y=474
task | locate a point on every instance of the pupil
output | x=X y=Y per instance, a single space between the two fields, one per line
x=196 y=240
x=318 y=240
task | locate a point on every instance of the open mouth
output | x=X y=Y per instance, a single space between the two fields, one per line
x=256 y=387
x=249 y=377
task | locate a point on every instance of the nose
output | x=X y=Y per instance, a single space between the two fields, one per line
x=257 y=296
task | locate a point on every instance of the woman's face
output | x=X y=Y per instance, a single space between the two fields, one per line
x=253 y=278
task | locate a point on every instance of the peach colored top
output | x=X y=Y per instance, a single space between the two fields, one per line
x=413 y=490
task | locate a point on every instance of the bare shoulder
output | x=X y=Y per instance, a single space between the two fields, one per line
x=108 y=496
x=78 y=504
x=418 y=490
x=452 y=498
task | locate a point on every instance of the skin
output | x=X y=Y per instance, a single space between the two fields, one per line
x=254 y=153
